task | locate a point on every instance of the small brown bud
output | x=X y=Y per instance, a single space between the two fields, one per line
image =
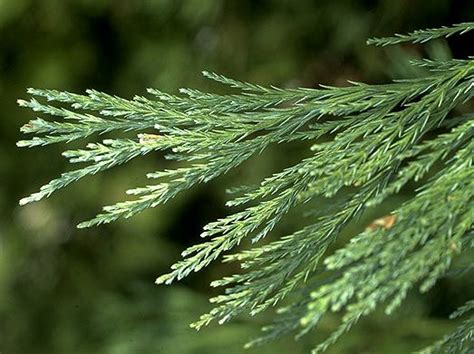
x=386 y=222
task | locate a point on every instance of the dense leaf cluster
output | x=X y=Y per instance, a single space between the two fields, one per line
x=377 y=139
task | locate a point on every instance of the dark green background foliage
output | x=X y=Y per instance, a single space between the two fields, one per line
x=92 y=291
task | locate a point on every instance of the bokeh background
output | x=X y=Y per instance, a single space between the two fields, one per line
x=92 y=291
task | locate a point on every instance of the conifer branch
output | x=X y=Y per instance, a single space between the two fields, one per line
x=422 y=36
x=461 y=340
x=378 y=139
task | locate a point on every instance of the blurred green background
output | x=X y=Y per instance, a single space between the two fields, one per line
x=92 y=291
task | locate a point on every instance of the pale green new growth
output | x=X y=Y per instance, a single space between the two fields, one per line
x=378 y=138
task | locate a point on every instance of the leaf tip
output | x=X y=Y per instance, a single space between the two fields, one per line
x=24 y=201
x=22 y=102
